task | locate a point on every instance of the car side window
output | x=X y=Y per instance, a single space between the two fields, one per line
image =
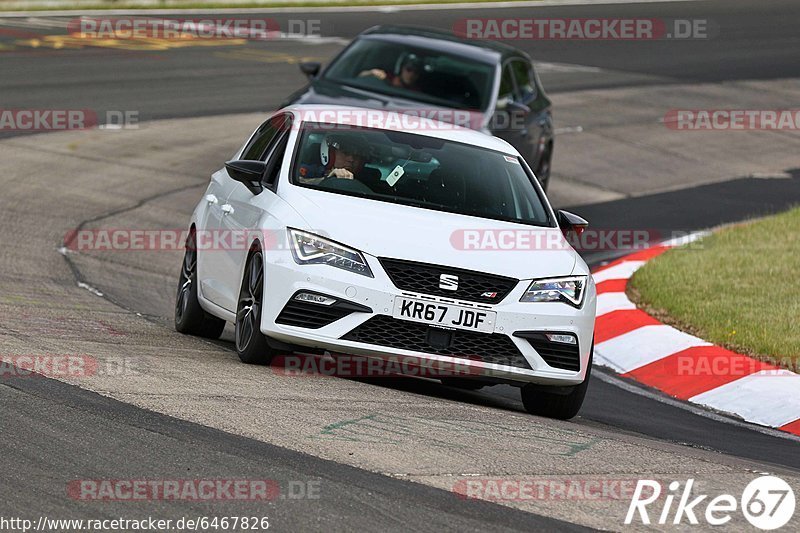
x=258 y=146
x=506 y=92
x=525 y=84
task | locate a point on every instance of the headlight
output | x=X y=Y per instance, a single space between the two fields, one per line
x=569 y=290
x=310 y=249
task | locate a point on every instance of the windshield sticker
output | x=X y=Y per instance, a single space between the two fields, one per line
x=511 y=159
x=395 y=175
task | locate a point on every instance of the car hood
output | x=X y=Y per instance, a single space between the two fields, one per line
x=322 y=92
x=383 y=229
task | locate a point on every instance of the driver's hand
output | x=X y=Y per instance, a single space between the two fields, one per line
x=341 y=173
x=375 y=72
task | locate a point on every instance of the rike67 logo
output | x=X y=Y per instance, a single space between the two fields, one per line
x=767 y=502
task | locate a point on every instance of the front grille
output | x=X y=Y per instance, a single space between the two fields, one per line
x=310 y=315
x=555 y=354
x=472 y=286
x=384 y=330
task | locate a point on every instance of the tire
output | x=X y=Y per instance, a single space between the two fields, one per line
x=543 y=169
x=560 y=403
x=463 y=383
x=190 y=318
x=251 y=344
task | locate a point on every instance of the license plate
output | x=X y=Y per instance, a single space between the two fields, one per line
x=445 y=315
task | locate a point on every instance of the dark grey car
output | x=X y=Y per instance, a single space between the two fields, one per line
x=493 y=84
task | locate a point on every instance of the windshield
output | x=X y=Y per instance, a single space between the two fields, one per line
x=414 y=73
x=416 y=170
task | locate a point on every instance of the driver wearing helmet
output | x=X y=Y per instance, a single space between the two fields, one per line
x=341 y=155
x=407 y=78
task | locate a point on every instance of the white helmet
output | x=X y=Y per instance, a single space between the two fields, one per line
x=353 y=143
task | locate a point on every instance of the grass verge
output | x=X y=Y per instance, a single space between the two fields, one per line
x=738 y=288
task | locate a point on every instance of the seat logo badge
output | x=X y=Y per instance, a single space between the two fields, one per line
x=448 y=282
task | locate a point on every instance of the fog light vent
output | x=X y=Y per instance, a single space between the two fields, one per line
x=560 y=337
x=314 y=298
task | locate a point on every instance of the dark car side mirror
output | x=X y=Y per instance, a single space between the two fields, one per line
x=249 y=173
x=509 y=115
x=570 y=222
x=310 y=69
x=517 y=108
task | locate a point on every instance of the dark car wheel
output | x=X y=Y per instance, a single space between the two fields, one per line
x=251 y=344
x=190 y=318
x=562 y=403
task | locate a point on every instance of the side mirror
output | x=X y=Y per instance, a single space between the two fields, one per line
x=516 y=108
x=570 y=222
x=509 y=115
x=310 y=69
x=249 y=173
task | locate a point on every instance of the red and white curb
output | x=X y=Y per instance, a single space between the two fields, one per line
x=641 y=348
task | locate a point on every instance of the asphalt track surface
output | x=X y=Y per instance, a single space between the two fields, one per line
x=53 y=432
x=754 y=42
x=76 y=429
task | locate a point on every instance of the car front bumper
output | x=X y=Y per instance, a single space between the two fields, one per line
x=284 y=278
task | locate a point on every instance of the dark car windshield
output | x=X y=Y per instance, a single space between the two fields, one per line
x=414 y=73
x=417 y=170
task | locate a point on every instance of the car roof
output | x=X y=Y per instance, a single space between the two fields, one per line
x=396 y=121
x=445 y=41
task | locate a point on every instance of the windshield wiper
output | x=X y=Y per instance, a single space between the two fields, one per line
x=416 y=96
